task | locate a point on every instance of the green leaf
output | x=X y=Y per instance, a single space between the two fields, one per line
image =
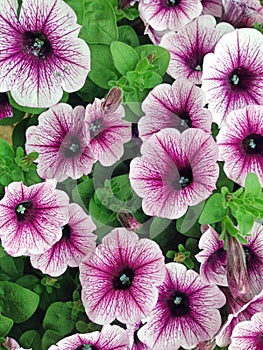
x=128 y=35
x=83 y=192
x=6 y=150
x=101 y=61
x=31 y=177
x=158 y=225
x=17 y=302
x=98 y=20
x=58 y=318
x=49 y=338
x=121 y=187
x=100 y=213
x=151 y=79
x=223 y=180
x=29 y=110
x=161 y=56
x=188 y=224
x=13 y=267
x=125 y=58
x=214 y=210
x=17 y=116
x=245 y=220
x=30 y=340
x=5 y=325
x=252 y=185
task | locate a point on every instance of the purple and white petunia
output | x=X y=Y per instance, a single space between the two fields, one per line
x=212 y=7
x=31 y=217
x=244 y=313
x=242 y=13
x=169 y=14
x=40 y=52
x=189 y=46
x=135 y=343
x=108 y=131
x=77 y=240
x=240 y=143
x=178 y=106
x=186 y=312
x=62 y=143
x=233 y=74
x=109 y=338
x=212 y=257
x=5 y=108
x=248 y=334
x=120 y=279
x=176 y=170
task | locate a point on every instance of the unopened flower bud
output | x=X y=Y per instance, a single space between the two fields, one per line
x=113 y=100
x=128 y=221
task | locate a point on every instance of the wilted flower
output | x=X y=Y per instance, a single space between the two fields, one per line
x=186 y=312
x=212 y=257
x=178 y=106
x=120 y=279
x=77 y=240
x=5 y=108
x=212 y=7
x=176 y=170
x=40 y=54
x=240 y=143
x=169 y=14
x=108 y=132
x=243 y=314
x=189 y=46
x=31 y=217
x=233 y=75
x=248 y=334
x=241 y=13
x=62 y=143
x=109 y=338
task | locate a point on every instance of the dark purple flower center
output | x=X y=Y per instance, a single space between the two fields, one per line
x=124 y=279
x=178 y=304
x=3 y=100
x=240 y=78
x=259 y=341
x=87 y=347
x=37 y=44
x=66 y=231
x=185 y=120
x=24 y=211
x=95 y=128
x=253 y=144
x=184 y=179
x=172 y=3
x=71 y=146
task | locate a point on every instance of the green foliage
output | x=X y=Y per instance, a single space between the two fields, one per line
x=58 y=318
x=16 y=302
x=128 y=36
x=125 y=58
x=6 y=324
x=30 y=339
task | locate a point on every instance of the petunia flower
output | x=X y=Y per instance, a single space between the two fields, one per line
x=186 y=312
x=77 y=240
x=12 y=344
x=212 y=257
x=240 y=143
x=169 y=14
x=242 y=13
x=244 y=313
x=31 y=217
x=135 y=343
x=248 y=334
x=212 y=7
x=109 y=338
x=62 y=143
x=108 y=131
x=233 y=74
x=178 y=106
x=120 y=279
x=175 y=171
x=40 y=52
x=5 y=108
x=189 y=46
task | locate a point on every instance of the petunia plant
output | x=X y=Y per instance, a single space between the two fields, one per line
x=131 y=145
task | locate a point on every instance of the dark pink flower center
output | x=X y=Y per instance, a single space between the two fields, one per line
x=95 y=128
x=3 y=100
x=124 y=279
x=24 y=211
x=87 y=347
x=70 y=146
x=37 y=44
x=66 y=232
x=259 y=341
x=253 y=144
x=185 y=178
x=171 y=3
x=240 y=78
x=178 y=304
x=185 y=120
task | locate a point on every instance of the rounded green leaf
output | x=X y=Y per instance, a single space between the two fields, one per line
x=16 y=302
x=214 y=210
x=125 y=58
x=161 y=56
x=5 y=325
x=252 y=185
x=58 y=318
x=6 y=150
